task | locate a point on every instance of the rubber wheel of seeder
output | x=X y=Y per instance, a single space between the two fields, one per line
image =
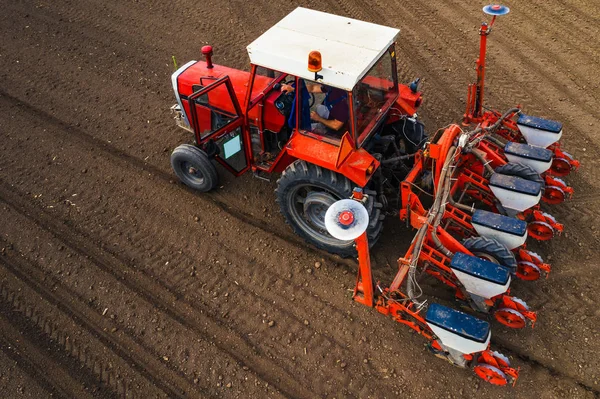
x=491 y=250
x=521 y=170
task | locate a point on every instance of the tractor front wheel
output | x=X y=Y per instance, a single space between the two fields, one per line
x=193 y=167
x=305 y=192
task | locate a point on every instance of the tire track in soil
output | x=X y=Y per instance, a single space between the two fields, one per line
x=584 y=11
x=236 y=347
x=575 y=36
x=140 y=315
x=37 y=362
x=537 y=57
x=506 y=347
x=141 y=361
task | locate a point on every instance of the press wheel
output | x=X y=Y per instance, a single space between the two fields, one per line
x=491 y=374
x=510 y=318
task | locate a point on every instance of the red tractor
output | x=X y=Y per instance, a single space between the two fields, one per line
x=322 y=106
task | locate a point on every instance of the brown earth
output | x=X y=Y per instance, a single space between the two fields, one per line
x=118 y=281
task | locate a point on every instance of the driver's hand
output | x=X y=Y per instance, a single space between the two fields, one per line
x=286 y=88
x=314 y=116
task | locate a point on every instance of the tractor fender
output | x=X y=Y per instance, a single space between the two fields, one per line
x=355 y=164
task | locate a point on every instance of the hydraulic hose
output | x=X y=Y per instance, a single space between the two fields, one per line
x=438 y=218
x=481 y=159
x=434 y=217
x=458 y=205
x=503 y=117
x=397 y=159
x=495 y=140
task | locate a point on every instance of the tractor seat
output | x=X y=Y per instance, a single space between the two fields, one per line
x=457 y=322
x=479 y=268
x=516 y=184
x=528 y=151
x=495 y=221
x=540 y=123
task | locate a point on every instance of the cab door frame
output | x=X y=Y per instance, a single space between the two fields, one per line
x=237 y=122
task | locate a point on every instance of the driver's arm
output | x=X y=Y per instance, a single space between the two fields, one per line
x=314 y=88
x=311 y=87
x=333 y=124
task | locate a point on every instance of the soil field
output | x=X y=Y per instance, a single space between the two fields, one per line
x=118 y=281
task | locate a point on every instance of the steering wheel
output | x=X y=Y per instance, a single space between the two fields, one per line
x=311 y=102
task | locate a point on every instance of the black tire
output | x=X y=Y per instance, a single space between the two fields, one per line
x=301 y=181
x=193 y=167
x=492 y=250
x=521 y=170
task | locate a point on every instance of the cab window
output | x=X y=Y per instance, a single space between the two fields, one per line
x=372 y=95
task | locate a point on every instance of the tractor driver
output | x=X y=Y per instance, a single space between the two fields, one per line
x=330 y=116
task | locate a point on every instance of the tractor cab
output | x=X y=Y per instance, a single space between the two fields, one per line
x=340 y=75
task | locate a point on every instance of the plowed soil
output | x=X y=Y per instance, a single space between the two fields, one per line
x=117 y=280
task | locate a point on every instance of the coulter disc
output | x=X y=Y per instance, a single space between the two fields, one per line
x=541 y=231
x=553 y=195
x=510 y=318
x=560 y=167
x=528 y=271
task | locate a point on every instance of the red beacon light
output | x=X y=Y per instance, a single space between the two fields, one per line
x=315 y=64
x=207 y=51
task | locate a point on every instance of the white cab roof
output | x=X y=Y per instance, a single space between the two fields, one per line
x=348 y=47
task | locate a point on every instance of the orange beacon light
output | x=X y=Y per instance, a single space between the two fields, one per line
x=314 y=64
x=314 y=61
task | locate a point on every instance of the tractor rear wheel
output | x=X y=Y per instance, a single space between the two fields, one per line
x=193 y=167
x=305 y=192
x=491 y=250
x=521 y=170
